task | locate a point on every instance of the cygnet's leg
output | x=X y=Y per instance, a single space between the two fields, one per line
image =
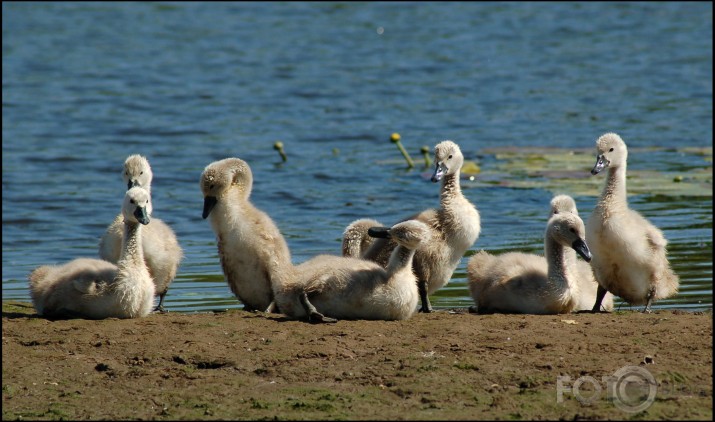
x=160 y=307
x=424 y=299
x=313 y=314
x=651 y=295
x=600 y=294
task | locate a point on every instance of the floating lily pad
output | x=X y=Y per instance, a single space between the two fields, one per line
x=470 y=167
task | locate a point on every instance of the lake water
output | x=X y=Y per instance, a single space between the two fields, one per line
x=185 y=84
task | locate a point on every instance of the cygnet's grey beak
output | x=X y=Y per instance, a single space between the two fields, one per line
x=439 y=172
x=131 y=184
x=601 y=163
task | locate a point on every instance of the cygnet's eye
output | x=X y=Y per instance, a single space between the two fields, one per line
x=131 y=201
x=610 y=150
x=211 y=187
x=450 y=157
x=141 y=172
x=572 y=230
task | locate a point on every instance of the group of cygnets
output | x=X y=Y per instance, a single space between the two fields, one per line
x=138 y=261
x=384 y=273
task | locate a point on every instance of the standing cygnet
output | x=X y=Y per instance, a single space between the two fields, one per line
x=161 y=247
x=584 y=273
x=251 y=248
x=94 y=288
x=453 y=228
x=517 y=282
x=629 y=253
x=328 y=287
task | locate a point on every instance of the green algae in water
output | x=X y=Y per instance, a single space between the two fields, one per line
x=568 y=171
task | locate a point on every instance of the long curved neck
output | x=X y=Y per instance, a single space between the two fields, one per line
x=558 y=267
x=400 y=258
x=459 y=218
x=614 y=193
x=232 y=208
x=451 y=192
x=132 y=250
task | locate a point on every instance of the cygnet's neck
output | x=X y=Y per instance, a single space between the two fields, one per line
x=451 y=192
x=458 y=217
x=614 y=192
x=559 y=274
x=400 y=258
x=233 y=207
x=132 y=250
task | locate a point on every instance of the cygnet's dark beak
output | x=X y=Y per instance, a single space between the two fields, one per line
x=209 y=204
x=381 y=232
x=141 y=215
x=582 y=249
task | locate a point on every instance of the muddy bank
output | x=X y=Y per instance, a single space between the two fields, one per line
x=445 y=365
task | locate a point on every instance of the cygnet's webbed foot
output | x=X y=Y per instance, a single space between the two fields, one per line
x=317 y=317
x=602 y=310
x=249 y=308
x=473 y=309
x=313 y=315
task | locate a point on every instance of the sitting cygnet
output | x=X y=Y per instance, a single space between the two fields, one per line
x=629 y=253
x=162 y=252
x=584 y=273
x=97 y=289
x=517 y=282
x=327 y=287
